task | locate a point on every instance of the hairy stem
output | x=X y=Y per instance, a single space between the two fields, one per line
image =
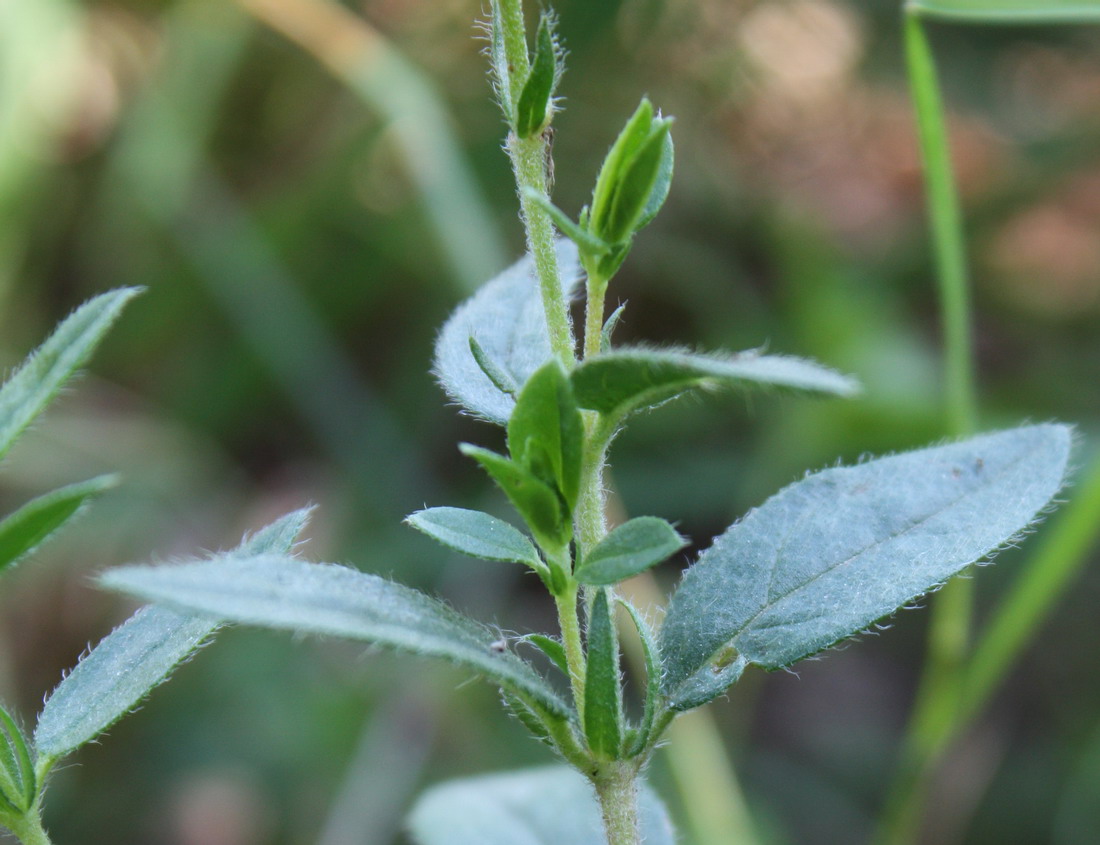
x=617 y=791
x=529 y=161
x=29 y=829
x=571 y=640
x=593 y=314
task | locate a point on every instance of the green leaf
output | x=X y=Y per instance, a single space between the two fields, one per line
x=537 y=503
x=532 y=110
x=19 y=783
x=661 y=184
x=500 y=379
x=529 y=807
x=625 y=380
x=603 y=696
x=27 y=393
x=476 y=534
x=552 y=648
x=137 y=656
x=638 y=183
x=630 y=548
x=546 y=431
x=630 y=140
x=652 y=653
x=506 y=318
x=609 y=328
x=280 y=592
x=24 y=530
x=588 y=243
x=1009 y=11
x=829 y=555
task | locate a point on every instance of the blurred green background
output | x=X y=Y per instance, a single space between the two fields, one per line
x=307 y=190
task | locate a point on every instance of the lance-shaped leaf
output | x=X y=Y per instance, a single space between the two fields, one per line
x=529 y=807
x=630 y=548
x=22 y=531
x=476 y=534
x=280 y=592
x=27 y=393
x=137 y=656
x=603 y=701
x=625 y=380
x=536 y=501
x=534 y=104
x=827 y=556
x=1009 y=11
x=546 y=431
x=507 y=320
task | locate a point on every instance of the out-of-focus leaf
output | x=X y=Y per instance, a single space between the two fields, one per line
x=507 y=320
x=827 y=556
x=22 y=531
x=529 y=807
x=138 y=655
x=27 y=393
x=280 y=592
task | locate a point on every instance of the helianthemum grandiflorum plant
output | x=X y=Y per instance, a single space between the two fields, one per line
x=820 y=561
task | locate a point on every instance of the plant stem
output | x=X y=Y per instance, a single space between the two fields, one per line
x=529 y=158
x=617 y=791
x=935 y=713
x=29 y=829
x=569 y=623
x=596 y=288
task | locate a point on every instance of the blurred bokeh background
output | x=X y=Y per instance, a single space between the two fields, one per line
x=307 y=189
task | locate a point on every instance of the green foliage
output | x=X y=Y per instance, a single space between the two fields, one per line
x=128 y=663
x=29 y=390
x=536 y=501
x=830 y=554
x=629 y=549
x=18 y=784
x=506 y=319
x=476 y=534
x=534 y=109
x=280 y=592
x=546 y=432
x=530 y=807
x=603 y=704
x=21 y=532
x=626 y=380
x=818 y=562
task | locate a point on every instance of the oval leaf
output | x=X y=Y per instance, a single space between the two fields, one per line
x=546 y=430
x=27 y=393
x=22 y=531
x=1010 y=11
x=476 y=534
x=138 y=655
x=530 y=807
x=507 y=320
x=625 y=380
x=280 y=592
x=630 y=548
x=827 y=556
